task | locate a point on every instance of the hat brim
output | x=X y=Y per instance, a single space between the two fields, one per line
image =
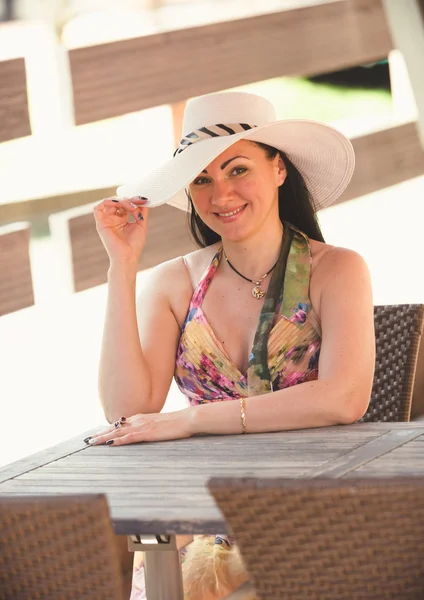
x=324 y=157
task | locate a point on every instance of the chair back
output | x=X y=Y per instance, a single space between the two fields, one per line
x=398 y=330
x=58 y=548
x=327 y=538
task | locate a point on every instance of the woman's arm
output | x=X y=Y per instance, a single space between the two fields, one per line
x=139 y=345
x=346 y=366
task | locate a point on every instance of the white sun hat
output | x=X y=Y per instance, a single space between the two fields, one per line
x=324 y=156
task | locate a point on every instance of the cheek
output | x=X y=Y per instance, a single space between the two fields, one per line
x=196 y=193
x=200 y=199
x=254 y=189
x=249 y=188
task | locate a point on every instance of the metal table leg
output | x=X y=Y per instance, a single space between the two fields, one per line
x=162 y=566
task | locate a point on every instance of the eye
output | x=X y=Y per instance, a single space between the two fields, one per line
x=238 y=171
x=201 y=181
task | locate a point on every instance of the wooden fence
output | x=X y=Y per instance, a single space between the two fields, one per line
x=130 y=75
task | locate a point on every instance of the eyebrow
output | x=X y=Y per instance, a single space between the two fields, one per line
x=227 y=162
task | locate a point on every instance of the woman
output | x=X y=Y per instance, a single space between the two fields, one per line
x=263 y=306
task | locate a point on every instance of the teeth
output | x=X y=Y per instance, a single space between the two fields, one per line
x=230 y=214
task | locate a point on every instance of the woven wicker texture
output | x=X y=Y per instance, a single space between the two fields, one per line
x=58 y=548
x=328 y=539
x=398 y=331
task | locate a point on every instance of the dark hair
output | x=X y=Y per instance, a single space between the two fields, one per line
x=294 y=203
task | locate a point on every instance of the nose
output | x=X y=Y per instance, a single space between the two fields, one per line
x=222 y=193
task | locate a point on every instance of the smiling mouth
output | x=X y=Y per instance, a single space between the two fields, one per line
x=233 y=212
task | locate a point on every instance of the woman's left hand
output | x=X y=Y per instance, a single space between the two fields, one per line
x=156 y=427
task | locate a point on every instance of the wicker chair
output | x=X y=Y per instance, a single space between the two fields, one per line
x=398 y=330
x=327 y=539
x=58 y=548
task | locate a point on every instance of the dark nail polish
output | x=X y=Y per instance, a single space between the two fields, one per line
x=123 y=419
x=109 y=442
x=142 y=197
x=87 y=439
x=114 y=200
x=140 y=217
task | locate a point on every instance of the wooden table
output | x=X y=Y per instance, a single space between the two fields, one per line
x=161 y=488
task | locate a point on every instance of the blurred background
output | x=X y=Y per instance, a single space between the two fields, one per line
x=92 y=93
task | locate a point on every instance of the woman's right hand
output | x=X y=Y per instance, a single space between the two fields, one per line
x=124 y=241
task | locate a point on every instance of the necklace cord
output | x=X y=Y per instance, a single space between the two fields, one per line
x=246 y=278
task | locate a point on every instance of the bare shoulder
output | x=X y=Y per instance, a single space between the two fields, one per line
x=184 y=271
x=326 y=258
x=172 y=282
x=197 y=262
x=335 y=269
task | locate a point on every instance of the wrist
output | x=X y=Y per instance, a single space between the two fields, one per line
x=191 y=415
x=215 y=418
x=124 y=269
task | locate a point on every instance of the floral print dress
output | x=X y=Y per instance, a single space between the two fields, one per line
x=285 y=349
x=287 y=341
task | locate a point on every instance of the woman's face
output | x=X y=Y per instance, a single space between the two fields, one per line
x=237 y=194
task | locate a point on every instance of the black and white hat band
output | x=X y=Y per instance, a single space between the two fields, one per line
x=211 y=131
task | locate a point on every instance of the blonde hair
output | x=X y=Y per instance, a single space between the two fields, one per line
x=212 y=571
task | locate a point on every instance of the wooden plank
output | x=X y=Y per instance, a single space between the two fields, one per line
x=364 y=454
x=16 y=290
x=407 y=459
x=14 y=116
x=341 y=438
x=385 y=158
x=130 y=75
x=168 y=237
x=28 y=208
x=288 y=449
x=131 y=519
x=44 y=457
x=112 y=460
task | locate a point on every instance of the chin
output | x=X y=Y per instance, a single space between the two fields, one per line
x=236 y=234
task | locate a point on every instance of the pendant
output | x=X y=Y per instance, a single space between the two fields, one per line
x=258 y=292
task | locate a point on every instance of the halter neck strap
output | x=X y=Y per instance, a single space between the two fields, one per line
x=202 y=286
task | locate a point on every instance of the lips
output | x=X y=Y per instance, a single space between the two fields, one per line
x=230 y=215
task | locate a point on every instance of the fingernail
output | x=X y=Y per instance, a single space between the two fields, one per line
x=87 y=439
x=109 y=442
x=123 y=418
x=92 y=441
x=133 y=205
x=114 y=200
x=140 y=217
x=142 y=197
